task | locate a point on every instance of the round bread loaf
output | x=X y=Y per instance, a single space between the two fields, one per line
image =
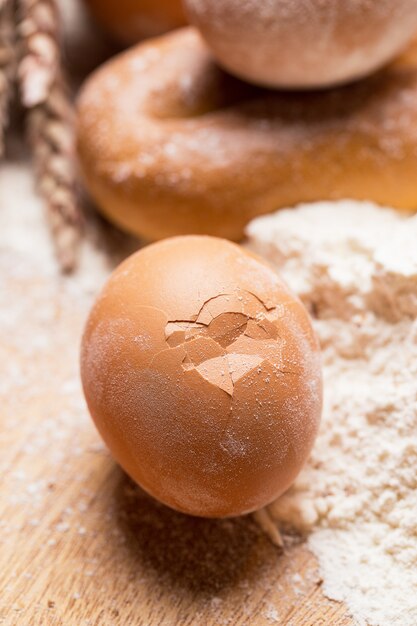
x=304 y=43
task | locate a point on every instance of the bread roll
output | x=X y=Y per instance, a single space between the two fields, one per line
x=304 y=43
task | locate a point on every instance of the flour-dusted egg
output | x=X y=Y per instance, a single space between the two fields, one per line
x=202 y=373
x=304 y=43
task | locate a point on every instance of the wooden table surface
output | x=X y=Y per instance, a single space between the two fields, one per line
x=79 y=543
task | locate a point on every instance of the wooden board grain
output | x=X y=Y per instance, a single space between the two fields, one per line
x=79 y=543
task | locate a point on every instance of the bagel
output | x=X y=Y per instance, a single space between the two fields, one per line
x=170 y=144
x=301 y=44
x=128 y=21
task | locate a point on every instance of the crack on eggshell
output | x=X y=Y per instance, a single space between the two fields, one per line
x=224 y=371
x=254 y=331
x=242 y=364
x=223 y=346
x=176 y=331
x=264 y=304
x=227 y=327
x=206 y=305
x=225 y=322
x=269 y=328
x=216 y=372
x=187 y=362
x=202 y=348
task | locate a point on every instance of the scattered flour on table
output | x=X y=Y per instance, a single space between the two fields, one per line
x=355 y=267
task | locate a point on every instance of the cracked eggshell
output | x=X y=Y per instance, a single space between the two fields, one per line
x=202 y=373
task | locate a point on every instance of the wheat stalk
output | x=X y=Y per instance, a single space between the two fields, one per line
x=44 y=95
x=7 y=64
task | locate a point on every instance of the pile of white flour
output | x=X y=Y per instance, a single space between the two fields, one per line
x=355 y=267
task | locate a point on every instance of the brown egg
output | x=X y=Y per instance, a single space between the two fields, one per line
x=202 y=373
x=131 y=20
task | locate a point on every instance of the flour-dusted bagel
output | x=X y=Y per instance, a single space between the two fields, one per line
x=304 y=43
x=131 y=20
x=170 y=144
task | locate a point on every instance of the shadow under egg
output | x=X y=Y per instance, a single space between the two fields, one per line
x=196 y=555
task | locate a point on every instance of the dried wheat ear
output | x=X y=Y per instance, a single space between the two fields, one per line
x=30 y=56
